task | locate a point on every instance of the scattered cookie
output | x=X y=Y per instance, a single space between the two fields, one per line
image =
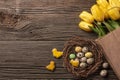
x=56 y=53
x=51 y=66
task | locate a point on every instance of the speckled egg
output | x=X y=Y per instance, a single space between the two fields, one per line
x=88 y=54
x=83 y=65
x=90 y=60
x=83 y=59
x=78 y=49
x=105 y=65
x=80 y=55
x=103 y=73
x=85 y=49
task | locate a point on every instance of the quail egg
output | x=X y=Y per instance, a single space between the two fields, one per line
x=103 y=73
x=90 y=60
x=78 y=49
x=72 y=56
x=83 y=65
x=88 y=54
x=83 y=59
x=80 y=55
x=105 y=65
x=84 y=49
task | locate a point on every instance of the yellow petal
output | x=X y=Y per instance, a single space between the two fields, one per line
x=97 y=13
x=86 y=16
x=85 y=26
x=104 y=10
x=114 y=13
x=103 y=3
x=114 y=3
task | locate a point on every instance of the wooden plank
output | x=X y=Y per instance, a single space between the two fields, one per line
x=27 y=60
x=54 y=6
x=48 y=27
x=51 y=22
x=46 y=6
x=7 y=4
x=23 y=58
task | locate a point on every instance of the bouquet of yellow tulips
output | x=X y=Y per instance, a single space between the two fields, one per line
x=104 y=17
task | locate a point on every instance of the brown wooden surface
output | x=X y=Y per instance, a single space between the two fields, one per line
x=25 y=49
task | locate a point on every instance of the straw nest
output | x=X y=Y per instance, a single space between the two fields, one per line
x=94 y=47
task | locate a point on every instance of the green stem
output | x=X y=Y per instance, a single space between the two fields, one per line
x=96 y=30
x=113 y=23
x=102 y=30
x=108 y=26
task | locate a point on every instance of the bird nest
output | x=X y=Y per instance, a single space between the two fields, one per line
x=94 y=47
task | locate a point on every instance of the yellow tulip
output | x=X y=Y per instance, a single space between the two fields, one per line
x=85 y=26
x=114 y=3
x=104 y=10
x=113 y=13
x=86 y=16
x=102 y=3
x=97 y=13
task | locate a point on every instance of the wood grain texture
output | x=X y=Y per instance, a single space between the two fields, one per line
x=25 y=50
x=50 y=22
x=27 y=60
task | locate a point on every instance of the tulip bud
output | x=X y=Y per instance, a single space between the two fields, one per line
x=113 y=13
x=86 y=16
x=104 y=10
x=97 y=13
x=114 y=3
x=102 y=3
x=85 y=26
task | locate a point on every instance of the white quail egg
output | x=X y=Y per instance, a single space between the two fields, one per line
x=84 y=49
x=105 y=65
x=83 y=65
x=103 y=73
x=90 y=60
x=83 y=59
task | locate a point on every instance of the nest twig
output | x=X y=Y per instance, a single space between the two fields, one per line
x=94 y=47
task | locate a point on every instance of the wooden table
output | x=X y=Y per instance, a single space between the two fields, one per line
x=25 y=50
